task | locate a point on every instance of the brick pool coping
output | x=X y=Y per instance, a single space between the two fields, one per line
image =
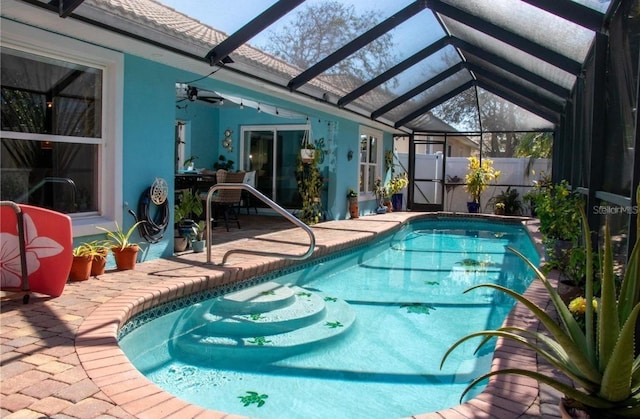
x=161 y=281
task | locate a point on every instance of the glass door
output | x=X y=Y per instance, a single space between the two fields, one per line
x=272 y=151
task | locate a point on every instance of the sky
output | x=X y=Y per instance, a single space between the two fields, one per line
x=225 y=15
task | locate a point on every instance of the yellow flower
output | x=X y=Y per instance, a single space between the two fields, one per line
x=579 y=304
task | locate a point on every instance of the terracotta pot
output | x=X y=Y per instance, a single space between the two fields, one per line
x=354 y=210
x=125 y=258
x=98 y=264
x=80 y=268
x=389 y=206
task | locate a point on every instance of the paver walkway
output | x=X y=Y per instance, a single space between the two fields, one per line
x=60 y=357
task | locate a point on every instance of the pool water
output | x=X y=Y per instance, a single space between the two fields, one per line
x=355 y=336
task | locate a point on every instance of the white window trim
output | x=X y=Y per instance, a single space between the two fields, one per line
x=47 y=44
x=368 y=131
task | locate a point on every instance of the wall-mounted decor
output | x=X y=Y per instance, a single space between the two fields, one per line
x=228 y=141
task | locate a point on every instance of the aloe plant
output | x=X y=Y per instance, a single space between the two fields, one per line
x=600 y=361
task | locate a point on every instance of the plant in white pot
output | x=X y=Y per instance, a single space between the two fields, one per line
x=198 y=243
x=597 y=357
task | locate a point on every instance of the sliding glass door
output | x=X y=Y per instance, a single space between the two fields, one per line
x=272 y=151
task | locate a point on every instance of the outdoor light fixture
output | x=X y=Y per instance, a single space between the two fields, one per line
x=192 y=93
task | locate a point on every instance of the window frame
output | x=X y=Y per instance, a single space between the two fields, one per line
x=46 y=44
x=369 y=132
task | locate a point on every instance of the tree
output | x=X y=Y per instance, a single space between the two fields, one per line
x=500 y=120
x=320 y=29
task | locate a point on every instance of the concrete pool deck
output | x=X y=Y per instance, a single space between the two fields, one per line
x=60 y=357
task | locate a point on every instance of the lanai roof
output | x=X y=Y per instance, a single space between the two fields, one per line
x=527 y=52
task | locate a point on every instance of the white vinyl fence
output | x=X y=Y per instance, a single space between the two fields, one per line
x=513 y=171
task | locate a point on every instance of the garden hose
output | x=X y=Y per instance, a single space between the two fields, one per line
x=152 y=228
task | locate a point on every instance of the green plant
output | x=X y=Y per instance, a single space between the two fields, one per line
x=478 y=176
x=556 y=207
x=199 y=230
x=191 y=160
x=572 y=266
x=397 y=183
x=310 y=185
x=352 y=193
x=188 y=204
x=381 y=191
x=510 y=200
x=92 y=248
x=81 y=250
x=223 y=163
x=600 y=361
x=120 y=238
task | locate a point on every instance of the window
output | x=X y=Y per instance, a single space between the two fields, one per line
x=58 y=148
x=370 y=157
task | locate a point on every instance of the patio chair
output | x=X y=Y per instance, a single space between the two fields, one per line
x=226 y=200
x=248 y=201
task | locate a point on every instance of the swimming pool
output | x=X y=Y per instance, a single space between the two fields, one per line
x=383 y=328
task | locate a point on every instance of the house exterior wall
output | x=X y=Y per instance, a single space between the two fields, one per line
x=149 y=113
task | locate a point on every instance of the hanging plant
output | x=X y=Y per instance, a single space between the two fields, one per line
x=307 y=147
x=310 y=184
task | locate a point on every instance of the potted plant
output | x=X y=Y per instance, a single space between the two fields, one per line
x=507 y=202
x=381 y=193
x=599 y=357
x=81 y=263
x=99 y=249
x=352 y=197
x=310 y=184
x=477 y=179
x=125 y=252
x=189 y=164
x=307 y=153
x=198 y=242
x=559 y=221
x=396 y=185
x=223 y=163
x=538 y=187
x=555 y=206
x=307 y=148
x=188 y=205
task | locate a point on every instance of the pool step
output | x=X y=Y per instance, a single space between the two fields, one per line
x=309 y=318
x=303 y=309
x=257 y=299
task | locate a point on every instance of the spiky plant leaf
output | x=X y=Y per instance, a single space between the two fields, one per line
x=616 y=381
x=601 y=363
x=575 y=350
x=608 y=326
